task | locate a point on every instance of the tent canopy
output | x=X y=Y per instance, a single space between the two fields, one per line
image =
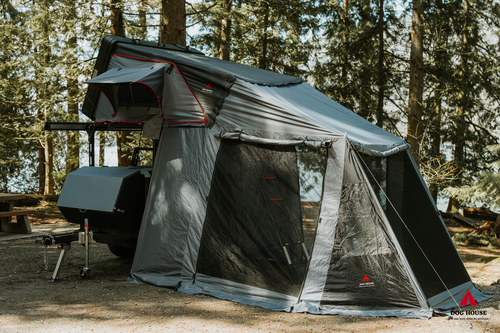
x=267 y=192
x=203 y=91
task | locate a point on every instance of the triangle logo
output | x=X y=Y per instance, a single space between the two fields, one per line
x=366 y=278
x=208 y=86
x=468 y=299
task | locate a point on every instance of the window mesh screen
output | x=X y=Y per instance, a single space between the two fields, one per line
x=261 y=215
x=407 y=194
x=365 y=270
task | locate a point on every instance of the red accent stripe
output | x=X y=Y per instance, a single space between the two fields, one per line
x=260 y=156
x=277 y=199
x=142 y=121
x=269 y=178
x=168 y=62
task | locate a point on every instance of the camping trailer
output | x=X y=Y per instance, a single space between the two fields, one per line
x=266 y=192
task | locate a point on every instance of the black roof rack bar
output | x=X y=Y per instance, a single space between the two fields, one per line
x=105 y=126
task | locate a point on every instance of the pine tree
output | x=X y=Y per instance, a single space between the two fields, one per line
x=265 y=34
x=486 y=188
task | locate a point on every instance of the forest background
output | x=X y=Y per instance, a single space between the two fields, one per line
x=427 y=71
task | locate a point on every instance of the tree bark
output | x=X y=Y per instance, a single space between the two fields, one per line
x=173 y=22
x=381 y=73
x=41 y=168
x=49 y=166
x=415 y=112
x=435 y=131
x=73 y=145
x=118 y=29
x=343 y=73
x=142 y=20
x=225 y=44
x=124 y=155
x=48 y=151
x=460 y=116
x=102 y=147
x=262 y=60
x=117 y=25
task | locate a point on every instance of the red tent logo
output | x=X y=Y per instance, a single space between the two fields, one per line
x=468 y=299
x=366 y=278
x=208 y=86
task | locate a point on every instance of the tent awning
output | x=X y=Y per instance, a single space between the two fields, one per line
x=140 y=86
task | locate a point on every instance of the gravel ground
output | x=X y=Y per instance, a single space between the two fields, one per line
x=105 y=303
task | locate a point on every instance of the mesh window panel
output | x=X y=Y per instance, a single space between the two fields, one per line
x=377 y=176
x=409 y=196
x=365 y=270
x=253 y=232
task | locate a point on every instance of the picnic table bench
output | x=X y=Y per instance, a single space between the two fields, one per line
x=21 y=223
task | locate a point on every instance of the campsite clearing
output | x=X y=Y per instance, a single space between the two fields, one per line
x=104 y=303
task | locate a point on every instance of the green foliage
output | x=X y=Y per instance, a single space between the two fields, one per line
x=464 y=239
x=486 y=187
x=50 y=46
x=350 y=47
x=273 y=35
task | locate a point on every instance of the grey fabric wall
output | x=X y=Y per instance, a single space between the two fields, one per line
x=170 y=233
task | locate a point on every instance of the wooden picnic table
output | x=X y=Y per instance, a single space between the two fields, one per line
x=22 y=224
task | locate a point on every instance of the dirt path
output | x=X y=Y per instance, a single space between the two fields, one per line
x=104 y=303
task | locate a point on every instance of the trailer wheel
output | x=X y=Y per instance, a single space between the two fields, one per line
x=122 y=252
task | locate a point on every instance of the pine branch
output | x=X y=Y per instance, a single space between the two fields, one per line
x=201 y=11
x=470 y=122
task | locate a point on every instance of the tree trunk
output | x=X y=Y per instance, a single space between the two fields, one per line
x=262 y=60
x=73 y=145
x=435 y=128
x=102 y=147
x=415 y=112
x=117 y=25
x=461 y=106
x=41 y=167
x=143 y=32
x=124 y=155
x=173 y=22
x=343 y=73
x=435 y=133
x=381 y=73
x=225 y=43
x=48 y=152
x=49 y=166
x=118 y=29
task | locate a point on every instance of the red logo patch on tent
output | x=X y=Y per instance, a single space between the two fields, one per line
x=468 y=299
x=208 y=86
x=366 y=278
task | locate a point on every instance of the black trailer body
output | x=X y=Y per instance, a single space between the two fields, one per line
x=111 y=198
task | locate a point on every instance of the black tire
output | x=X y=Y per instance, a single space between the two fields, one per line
x=122 y=252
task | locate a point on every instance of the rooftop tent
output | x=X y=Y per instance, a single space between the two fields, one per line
x=134 y=90
x=266 y=192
